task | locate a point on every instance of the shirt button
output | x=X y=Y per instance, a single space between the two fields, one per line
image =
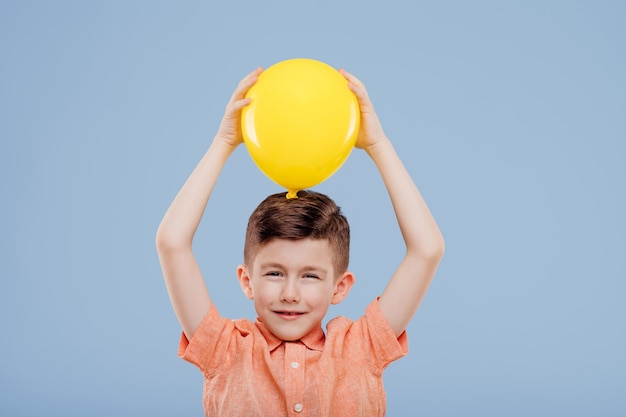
x=294 y=365
x=298 y=408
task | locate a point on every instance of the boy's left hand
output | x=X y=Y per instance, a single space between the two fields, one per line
x=371 y=131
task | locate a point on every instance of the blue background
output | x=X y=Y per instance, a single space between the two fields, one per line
x=510 y=116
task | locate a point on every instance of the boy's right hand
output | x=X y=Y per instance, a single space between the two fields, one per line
x=229 y=131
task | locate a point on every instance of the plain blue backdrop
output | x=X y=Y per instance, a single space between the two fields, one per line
x=510 y=116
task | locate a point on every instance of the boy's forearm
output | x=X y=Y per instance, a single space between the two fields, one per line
x=184 y=214
x=419 y=229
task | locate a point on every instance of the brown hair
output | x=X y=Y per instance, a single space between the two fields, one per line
x=311 y=215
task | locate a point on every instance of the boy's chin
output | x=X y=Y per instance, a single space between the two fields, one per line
x=289 y=335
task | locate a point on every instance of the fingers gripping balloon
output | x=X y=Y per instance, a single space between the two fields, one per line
x=301 y=124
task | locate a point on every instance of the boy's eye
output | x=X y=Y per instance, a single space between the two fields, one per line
x=273 y=274
x=311 y=276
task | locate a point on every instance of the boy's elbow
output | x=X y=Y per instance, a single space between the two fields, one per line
x=433 y=252
x=439 y=247
x=161 y=241
x=167 y=241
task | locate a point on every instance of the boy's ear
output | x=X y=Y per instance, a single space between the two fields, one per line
x=342 y=288
x=243 y=275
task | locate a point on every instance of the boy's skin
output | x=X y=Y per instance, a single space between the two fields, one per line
x=292 y=283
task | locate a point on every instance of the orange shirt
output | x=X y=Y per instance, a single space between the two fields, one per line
x=249 y=372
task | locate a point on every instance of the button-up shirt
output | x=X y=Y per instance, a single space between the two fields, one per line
x=250 y=372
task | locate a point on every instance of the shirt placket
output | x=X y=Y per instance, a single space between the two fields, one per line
x=294 y=378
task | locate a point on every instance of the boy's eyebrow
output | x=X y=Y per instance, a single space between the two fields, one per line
x=271 y=265
x=303 y=268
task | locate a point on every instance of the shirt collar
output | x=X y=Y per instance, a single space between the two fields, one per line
x=313 y=340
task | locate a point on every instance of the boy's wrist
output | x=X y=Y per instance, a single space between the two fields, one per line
x=222 y=146
x=381 y=146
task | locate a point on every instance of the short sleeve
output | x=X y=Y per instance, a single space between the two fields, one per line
x=209 y=347
x=385 y=346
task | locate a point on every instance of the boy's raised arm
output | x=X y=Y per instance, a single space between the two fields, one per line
x=424 y=242
x=185 y=283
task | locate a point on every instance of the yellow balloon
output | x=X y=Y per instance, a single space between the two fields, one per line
x=301 y=124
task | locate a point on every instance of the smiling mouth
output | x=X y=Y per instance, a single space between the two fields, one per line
x=289 y=314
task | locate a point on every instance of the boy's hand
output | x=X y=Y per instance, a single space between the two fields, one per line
x=229 y=132
x=371 y=131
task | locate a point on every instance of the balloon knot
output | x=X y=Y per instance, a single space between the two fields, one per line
x=292 y=194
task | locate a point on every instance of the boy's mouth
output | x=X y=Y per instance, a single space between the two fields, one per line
x=289 y=315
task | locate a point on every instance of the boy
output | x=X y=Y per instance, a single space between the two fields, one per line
x=296 y=260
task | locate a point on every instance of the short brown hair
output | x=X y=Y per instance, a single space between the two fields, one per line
x=311 y=215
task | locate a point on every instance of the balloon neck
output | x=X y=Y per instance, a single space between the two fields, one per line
x=292 y=194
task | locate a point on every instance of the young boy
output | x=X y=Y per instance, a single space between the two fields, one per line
x=295 y=266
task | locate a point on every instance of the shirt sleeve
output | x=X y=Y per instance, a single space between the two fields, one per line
x=385 y=343
x=209 y=347
x=379 y=340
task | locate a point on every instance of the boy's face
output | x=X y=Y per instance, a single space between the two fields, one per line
x=292 y=283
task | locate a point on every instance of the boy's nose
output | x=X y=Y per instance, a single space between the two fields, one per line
x=290 y=293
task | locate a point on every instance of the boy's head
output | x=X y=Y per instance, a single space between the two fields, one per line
x=296 y=262
x=311 y=215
